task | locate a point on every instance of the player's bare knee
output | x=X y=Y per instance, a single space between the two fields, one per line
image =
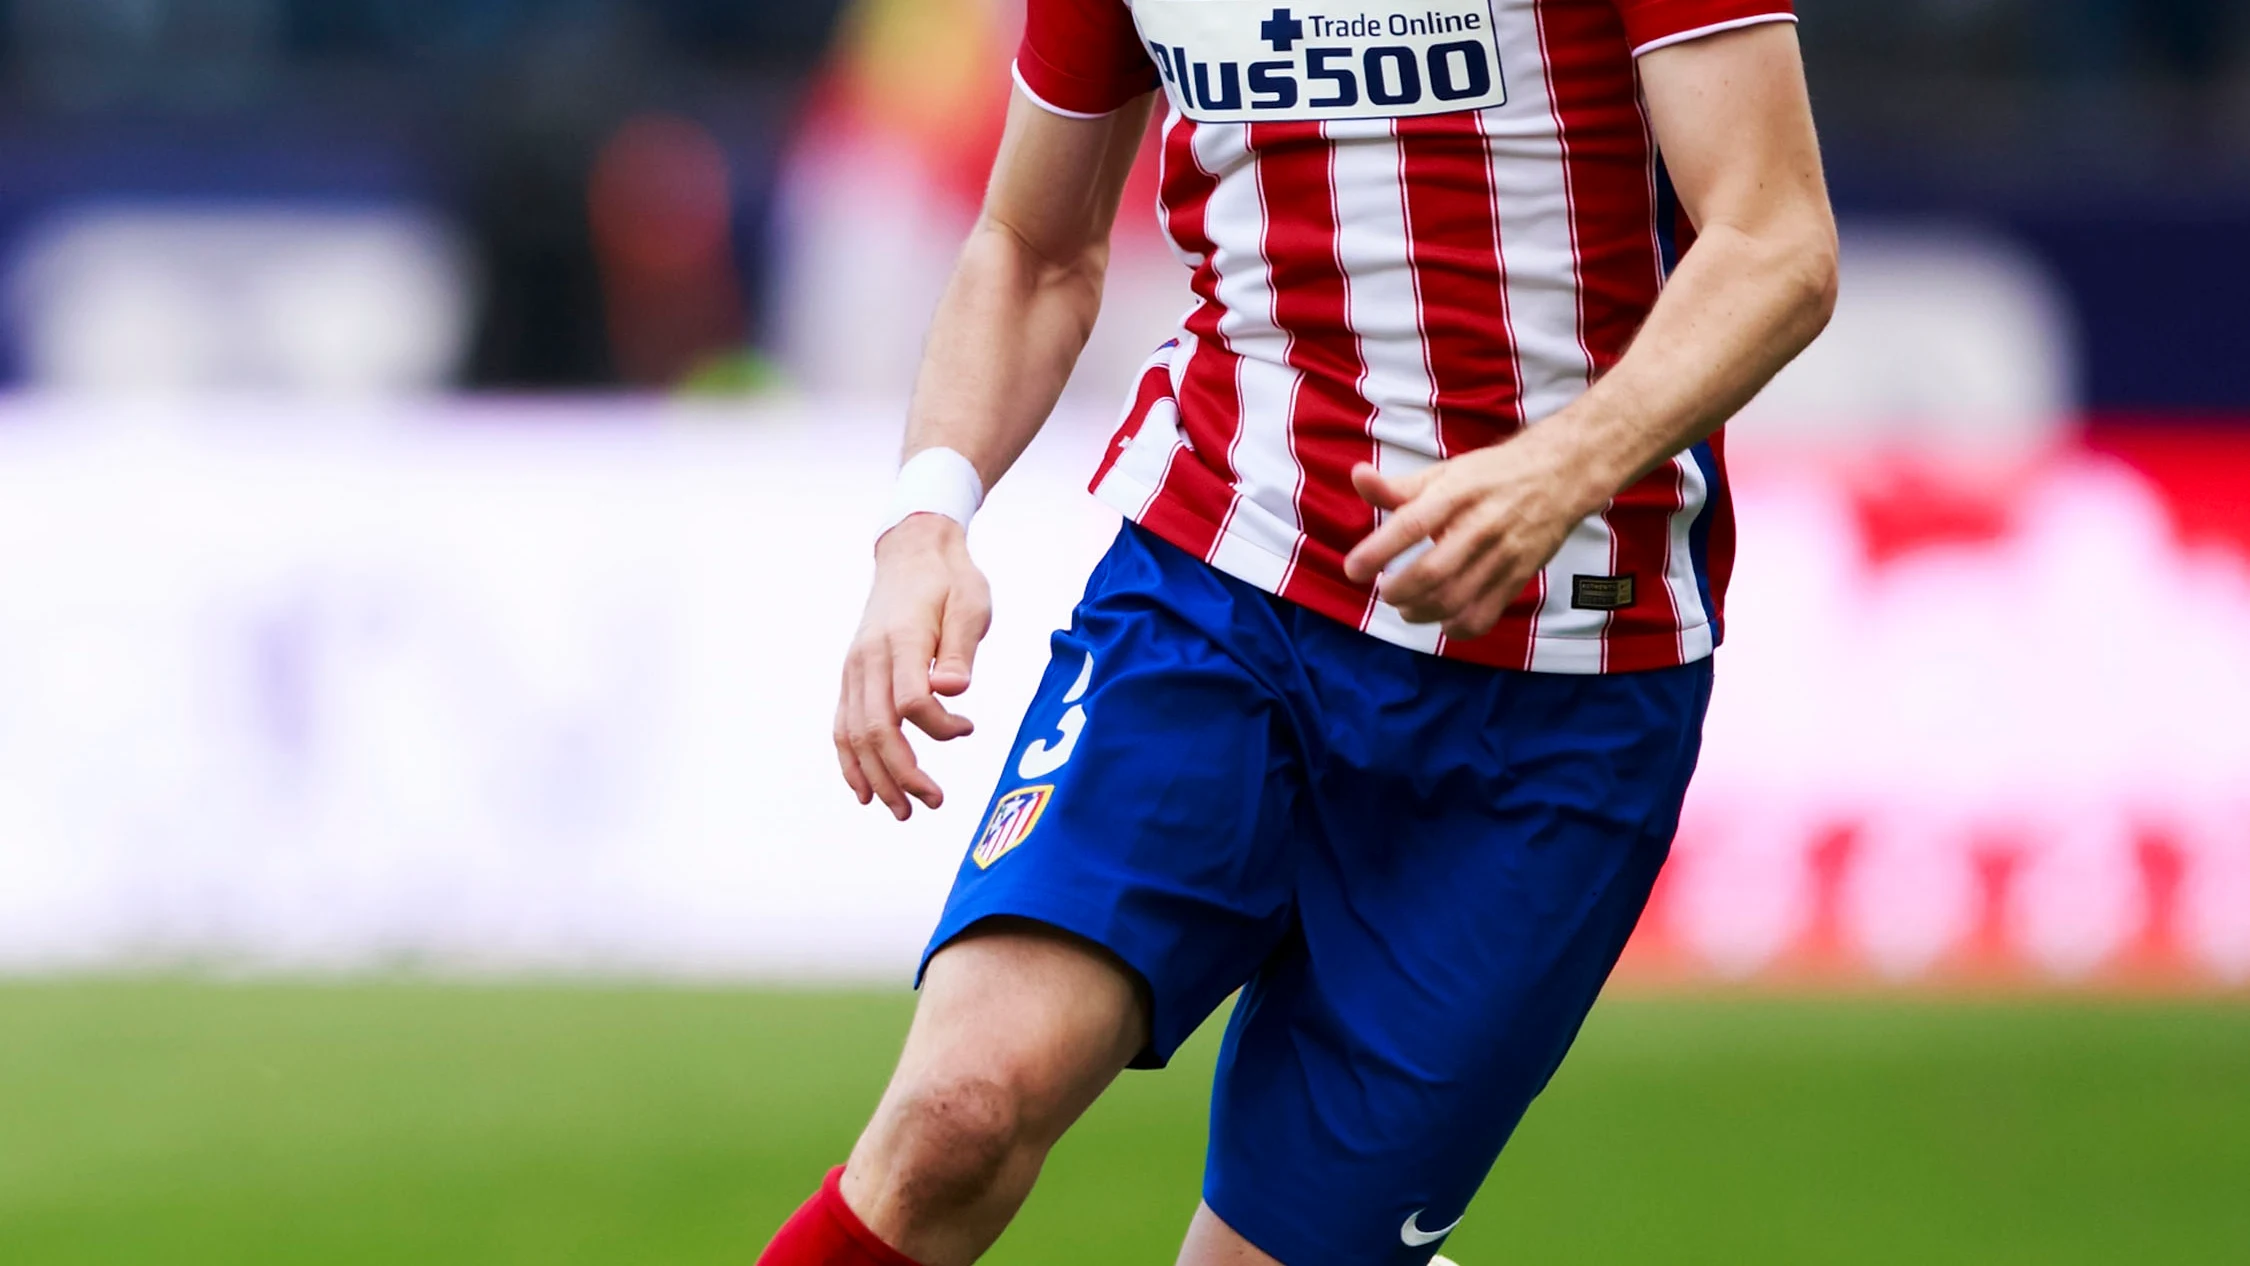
x=952 y=1139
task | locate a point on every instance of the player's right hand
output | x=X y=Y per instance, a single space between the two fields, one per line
x=917 y=642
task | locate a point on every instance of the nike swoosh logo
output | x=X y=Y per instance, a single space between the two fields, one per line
x=1413 y=1236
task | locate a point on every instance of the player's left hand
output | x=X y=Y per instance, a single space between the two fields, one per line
x=1493 y=518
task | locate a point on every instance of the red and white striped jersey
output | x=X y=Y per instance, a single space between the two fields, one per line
x=1414 y=226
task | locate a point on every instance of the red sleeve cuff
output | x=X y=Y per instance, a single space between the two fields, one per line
x=1654 y=24
x=1079 y=96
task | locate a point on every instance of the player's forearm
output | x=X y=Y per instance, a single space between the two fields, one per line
x=1742 y=304
x=1002 y=345
x=1733 y=118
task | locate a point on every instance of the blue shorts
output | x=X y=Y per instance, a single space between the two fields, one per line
x=1418 y=872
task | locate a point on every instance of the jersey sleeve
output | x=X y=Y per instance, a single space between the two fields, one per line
x=1082 y=58
x=1655 y=24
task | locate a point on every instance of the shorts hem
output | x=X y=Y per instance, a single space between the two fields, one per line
x=1089 y=923
x=1294 y=1246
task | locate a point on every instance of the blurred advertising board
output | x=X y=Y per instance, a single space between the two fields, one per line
x=1979 y=720
x=546 y=688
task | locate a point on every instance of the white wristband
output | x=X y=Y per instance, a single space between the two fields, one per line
x=935 y=481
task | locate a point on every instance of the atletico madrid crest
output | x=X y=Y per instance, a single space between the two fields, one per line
x=1011 y=823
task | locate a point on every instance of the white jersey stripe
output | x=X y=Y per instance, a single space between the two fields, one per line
x=1679 y=572
x=1695 y=490
x=1261 y=531
x=1531 y=179
x=1374 y=250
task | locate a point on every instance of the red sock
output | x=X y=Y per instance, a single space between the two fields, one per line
x=827 y=1233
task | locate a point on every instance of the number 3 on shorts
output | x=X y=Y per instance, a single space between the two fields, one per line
x=1040 y=759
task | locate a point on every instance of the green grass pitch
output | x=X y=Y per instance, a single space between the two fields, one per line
x=174 y=1124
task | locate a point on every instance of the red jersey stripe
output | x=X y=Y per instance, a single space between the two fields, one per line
x=1644 y=635
x=1454 y=247
x=1198 y=487
x=1719 y=565
x=1612 y=178
x=1613 y=207
x=1328 y=419
x=1460 y=283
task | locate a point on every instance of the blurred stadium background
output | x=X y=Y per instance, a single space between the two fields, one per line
x=438 y=446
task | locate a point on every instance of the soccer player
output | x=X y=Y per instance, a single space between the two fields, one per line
x=1381 y=708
